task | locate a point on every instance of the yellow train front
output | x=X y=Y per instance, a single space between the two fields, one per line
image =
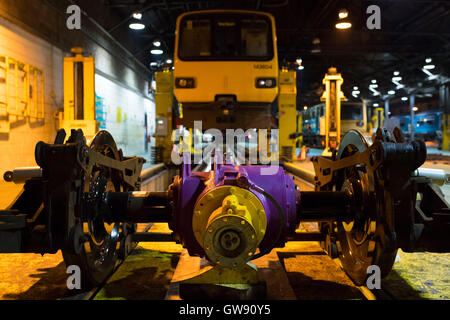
x=226 y=68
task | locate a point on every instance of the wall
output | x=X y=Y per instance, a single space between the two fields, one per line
x=18 y=146
x=125 y=115
x=118 y=81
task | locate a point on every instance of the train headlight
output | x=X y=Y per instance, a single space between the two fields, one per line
x=266 y=82
x=185 y=83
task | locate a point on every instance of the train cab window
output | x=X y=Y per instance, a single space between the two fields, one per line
x=254 y=35
x=351 y=112
x=225 y=37
x=196 y=38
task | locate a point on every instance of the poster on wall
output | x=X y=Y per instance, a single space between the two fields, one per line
x=100 y=112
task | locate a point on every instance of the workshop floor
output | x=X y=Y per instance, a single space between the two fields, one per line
x=148 y=271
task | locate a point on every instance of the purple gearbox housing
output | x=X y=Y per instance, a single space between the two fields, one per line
x=277 y=193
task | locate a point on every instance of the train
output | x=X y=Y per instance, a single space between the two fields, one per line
x=226 y=68
x=427 y=125
x=312 y=123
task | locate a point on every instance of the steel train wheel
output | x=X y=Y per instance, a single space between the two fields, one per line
x=103 y=243
x=362 y=241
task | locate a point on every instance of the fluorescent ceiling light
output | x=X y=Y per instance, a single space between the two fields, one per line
x=404 y=98
x=169 y=61
x=396 y=78
x=429 y=66
x=376 y=105
x=137 y=26
x=343 y=25
x=343 y=14
x=415 y=108
x=157 y=51
x=374 y=81
x=301 y=67
x=157 y=43
x=396 y=73
x=391 y=92
x=428 y=60
x=299 y=61
x=355 y=88
x=137 y=15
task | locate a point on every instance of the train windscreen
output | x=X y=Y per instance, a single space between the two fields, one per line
x=351 y=111
x=226 y=37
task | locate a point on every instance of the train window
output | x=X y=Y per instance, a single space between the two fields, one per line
x=226 y=37
x=196 y=38
x=351 y=112
x=254 y=35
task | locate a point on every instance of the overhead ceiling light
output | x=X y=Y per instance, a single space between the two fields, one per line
x=415 y=108
x=316 y=46
x=299 y=61
x=137 y=15
x=305 y=108
x=153 y=64
x=429 y=66
x=301 y=67
x=157 y=51
x=396 y=73
x=157 y=43
x=343 y=14
x=343 y=25
x=137 y=26
x=428 y=60
x=404 y=98
x=169 y=61
x=355 y=88
x=397 y=78
x=391 y=92
x=373 y=86
x=376 y=105
x=343 y=22
x=374 y=81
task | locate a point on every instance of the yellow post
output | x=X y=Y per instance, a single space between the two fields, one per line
x=445 y=132
x=332 y=96
x=71 y=121
x=163 y=106
x=287 y=110
x=377 y=119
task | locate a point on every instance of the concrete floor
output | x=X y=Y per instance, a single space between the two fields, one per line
x=148 y=271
